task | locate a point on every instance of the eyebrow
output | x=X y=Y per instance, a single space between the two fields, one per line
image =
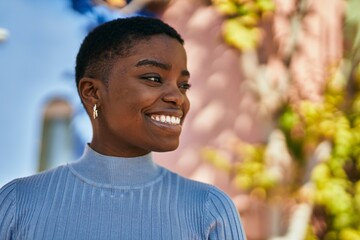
x=155 y=63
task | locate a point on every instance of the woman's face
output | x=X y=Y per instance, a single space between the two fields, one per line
x=145 y=103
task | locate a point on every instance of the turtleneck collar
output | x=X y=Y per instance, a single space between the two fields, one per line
x=119 y=172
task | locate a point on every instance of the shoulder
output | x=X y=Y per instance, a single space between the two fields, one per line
x=220 y=217
x=188 y=185
x=8 y=193
x=7 y=209
x=218 y=197
x=22 y=195
x=29 y=192
x=210 y=193
x=33 y=184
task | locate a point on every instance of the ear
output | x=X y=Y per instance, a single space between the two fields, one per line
x=89 y=91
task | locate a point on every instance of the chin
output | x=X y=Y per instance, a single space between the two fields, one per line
x=167 y=148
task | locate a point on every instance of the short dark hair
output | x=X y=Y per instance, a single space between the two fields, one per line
x=114 y=39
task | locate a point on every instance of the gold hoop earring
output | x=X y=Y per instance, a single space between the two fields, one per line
x=95 y=112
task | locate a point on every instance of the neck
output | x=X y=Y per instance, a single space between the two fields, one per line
x=110 y=171
x=109 y=150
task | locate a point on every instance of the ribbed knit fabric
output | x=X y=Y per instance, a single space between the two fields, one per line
x=101 y=197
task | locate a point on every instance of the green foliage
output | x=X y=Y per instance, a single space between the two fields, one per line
x=336 y=179
x=289 y=122
x=242 y=17
x=306 y=124
x=245 y=165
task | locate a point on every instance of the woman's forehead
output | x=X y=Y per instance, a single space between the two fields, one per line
x=159 y=52
x=161 y=48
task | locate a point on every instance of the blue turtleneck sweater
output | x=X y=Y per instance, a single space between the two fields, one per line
x=103 y=198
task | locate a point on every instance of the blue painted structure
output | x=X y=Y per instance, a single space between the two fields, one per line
x=37 y=64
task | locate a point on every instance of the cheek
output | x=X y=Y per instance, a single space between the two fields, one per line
x=124 y=99
x=136 y=103
x=145 y=97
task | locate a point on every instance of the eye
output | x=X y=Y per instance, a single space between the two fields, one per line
x=185 y=86
x=153 y=79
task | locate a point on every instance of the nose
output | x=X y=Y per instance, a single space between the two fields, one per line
x=174 y=95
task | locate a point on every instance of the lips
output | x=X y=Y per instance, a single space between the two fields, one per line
x=167 y=119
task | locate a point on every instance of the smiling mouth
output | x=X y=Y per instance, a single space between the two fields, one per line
x=167 y=119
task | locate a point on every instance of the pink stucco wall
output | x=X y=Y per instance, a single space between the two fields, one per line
x=222 y=106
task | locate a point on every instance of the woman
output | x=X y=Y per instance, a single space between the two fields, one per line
x=132 y=79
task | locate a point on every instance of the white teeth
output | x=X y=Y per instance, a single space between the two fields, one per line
x=166 y=119
x=173 y=120
x=162 y=118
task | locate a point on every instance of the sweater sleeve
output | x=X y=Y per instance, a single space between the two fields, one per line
x=7 y=210
x=221 y=217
